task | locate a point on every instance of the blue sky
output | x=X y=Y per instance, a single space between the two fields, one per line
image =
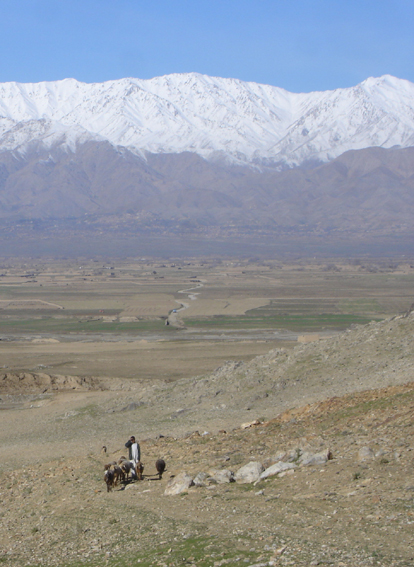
x=300 y=45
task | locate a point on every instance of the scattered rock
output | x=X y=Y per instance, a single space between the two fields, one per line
x=311 y=459
x=249 y=473
x=132 y=406
x=222 y=476
x=250 y=424
x=27 y=382
x=178 y=484
x=293 y=455
x=286 y=473
x=201 y=479
x=365 y=454
x=276 y=469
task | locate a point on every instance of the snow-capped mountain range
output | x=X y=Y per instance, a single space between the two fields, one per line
x=220 y=119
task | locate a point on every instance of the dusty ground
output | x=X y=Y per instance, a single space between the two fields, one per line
x=348 y=512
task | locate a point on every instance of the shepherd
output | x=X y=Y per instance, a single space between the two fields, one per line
x=134 y=450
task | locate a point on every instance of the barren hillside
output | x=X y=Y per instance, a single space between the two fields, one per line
x=336 y=416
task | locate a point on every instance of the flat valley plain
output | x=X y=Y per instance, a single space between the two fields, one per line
x=104 y=324
x=94 y=318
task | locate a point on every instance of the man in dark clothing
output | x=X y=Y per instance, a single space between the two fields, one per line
x=134 y=450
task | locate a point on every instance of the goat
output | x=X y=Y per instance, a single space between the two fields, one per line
x=127 y=467
x=109 y=479
x=139 y=467
x=119 y=475
x=160 y=466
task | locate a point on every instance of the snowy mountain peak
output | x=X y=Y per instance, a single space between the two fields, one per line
x=238 y=121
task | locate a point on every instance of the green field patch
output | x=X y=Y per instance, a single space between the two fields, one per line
x=87 y=326
x=361 y=306
x=298 y=323
x=12 y=290
x=295 y=307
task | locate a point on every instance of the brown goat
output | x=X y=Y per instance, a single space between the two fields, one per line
x=109 y=479
x=139 y=467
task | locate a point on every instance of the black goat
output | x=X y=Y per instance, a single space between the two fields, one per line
x=160 y=466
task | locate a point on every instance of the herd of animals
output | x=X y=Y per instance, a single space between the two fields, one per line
x=124 y=471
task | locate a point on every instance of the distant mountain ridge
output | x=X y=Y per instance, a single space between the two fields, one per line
x=361 y=192
x=225 y=120
x=192 y=154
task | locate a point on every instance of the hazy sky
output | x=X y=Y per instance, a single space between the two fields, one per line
x=300 y=45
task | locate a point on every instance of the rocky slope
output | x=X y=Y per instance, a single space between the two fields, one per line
x=35 y=383
x=371 y=356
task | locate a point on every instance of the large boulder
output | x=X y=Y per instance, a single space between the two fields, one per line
x=178 y=484
x=222 y=476
x=201 y=479
x=249 y=473
x=308 y=459
x=250 y=424
x=276 y=469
